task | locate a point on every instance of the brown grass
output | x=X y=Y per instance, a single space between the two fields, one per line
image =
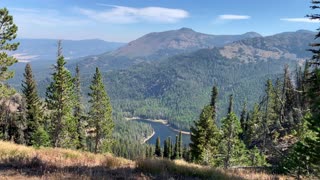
x=21 y=162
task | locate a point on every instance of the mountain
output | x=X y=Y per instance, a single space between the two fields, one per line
x=175 y=41
x=46 y=49
x=287 y=45
x=157 y=46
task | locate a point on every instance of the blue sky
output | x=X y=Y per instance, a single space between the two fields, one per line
x=126 y=20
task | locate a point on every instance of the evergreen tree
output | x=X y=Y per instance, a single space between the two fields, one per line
x=213 y=103
x=186 y=155
x=60 y=99
x=230 y=107
x=204 y=138
x=34 y=111
x=180 y=148
x=231 y=147
x=40 y=138
x=243 y=120
x=166 y=149
x=8 y=33
x=176 y=149
x=170 y=147
x=269 y=114
x=150 y=152
x=289 y=94
x=253 y=127
x=313 y=143
x=79 y=112
x=100 y=115
x=157 y=151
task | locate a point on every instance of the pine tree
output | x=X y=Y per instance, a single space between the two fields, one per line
x=243 y=118
x=100 y=115
x=79 y=112
x=150 y=152
x=269 y=114
x=157 y=151
x=213 y=103
x=170 y=147
x=166 y=149
x=34 y=111
x=8 y=33
x=313 y=91
x=253 y=127
x=180 y=148
x=176 y=149
x=289 y=96
x=231 y=147
x=60 y=99
x=204 y=138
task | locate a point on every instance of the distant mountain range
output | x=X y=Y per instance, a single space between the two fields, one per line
x=174 y=42
x=46 y=49
x=160 y=45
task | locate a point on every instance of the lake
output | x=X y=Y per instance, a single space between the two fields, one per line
x=164 y=131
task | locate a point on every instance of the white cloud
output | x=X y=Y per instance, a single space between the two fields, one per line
x=233 y=17
x=43 y=17
x=304 y=20
x=125 y=15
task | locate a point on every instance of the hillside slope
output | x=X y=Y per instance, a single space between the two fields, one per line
x=21 y=162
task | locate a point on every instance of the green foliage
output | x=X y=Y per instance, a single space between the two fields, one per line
x=157 y=151
x=40 y=138
x=232 y=149
x=204 y=137
x=34 y=111
x=256 y=158
x=78 y=113
x=8 y=33
x=60 y=99
x=177 y=89
x=176 y=153
x=100 y=116
x=128 y=137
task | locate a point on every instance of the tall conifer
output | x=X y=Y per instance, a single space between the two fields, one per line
x=100 y=115
x=60 y=99
x=34 y=133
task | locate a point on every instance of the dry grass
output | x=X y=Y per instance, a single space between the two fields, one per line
x=21 y=162
x=180 y=170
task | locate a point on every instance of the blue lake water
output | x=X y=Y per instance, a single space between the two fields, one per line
x=164 y=131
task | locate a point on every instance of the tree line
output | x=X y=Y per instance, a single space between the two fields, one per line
x=59 y=121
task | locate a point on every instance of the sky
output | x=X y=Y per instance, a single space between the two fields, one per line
x=126 y=20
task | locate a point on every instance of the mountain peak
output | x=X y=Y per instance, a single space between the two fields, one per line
x=184 y=29
x=252 y=34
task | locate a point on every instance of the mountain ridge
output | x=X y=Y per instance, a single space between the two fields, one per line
x=181 y=40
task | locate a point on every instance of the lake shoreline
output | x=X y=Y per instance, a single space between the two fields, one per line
x=162 y=121
x=149 y=137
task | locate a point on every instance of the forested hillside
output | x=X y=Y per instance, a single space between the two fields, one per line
x=176 y=88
